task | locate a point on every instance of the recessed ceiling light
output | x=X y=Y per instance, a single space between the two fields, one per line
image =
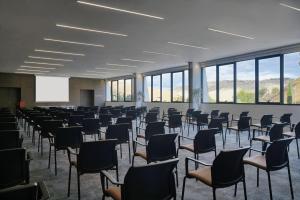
x=288 y=6
x=107 y=69
x=72 y=42
x=119 y=65
x=187 y=45
x=45 y=58
x=120 y=10
x=33 y=67
x=41 y=63
x=133 y=60
x=29 y=72
x=90 y=30
x=158 y=53
x=32 y=70
x=233 y=34
x=59 y=52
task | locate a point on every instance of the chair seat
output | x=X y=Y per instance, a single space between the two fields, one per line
x=141 y=154
x=140 y=136
x=74 y=163
x=233 y=128
x=289 y=134
x=257 y=161
x=202 y=174
x=189 y=147
x=263 y=138
x=114 y=192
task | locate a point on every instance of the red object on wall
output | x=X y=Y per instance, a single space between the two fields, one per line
x=22 y=104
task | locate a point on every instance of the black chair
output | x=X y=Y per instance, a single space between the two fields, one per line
x=119 y=132
x=37 y=123
x=91 y=126
x=65 y=137
x=227 y=170
x=225 y=118
x=286 y=119
x=8 y=119
x=10 y=139
x=152 y=128
x=75 y=120
x=276 y=157
x=201 y=121
x=188 y=116
x=116 y=113
x=9 y=126
x=105 y=120
x=153 y=181
x=93 y=157
x=295 y=132
x=128 y=121
x=242 y=114
x=14 y=167
x=265 y=123
x=214 y=113
x=175 y=121
x=217 y=123
x=243 y=125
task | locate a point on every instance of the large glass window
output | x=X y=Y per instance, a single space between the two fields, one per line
x=147 y=88
x=209 y=87
x=186 y=85
x=114 y=90
x=166 y=87
x=156 y=88
x=292 y=78
x=121 y=90
x=128 y=90
x=108 y=90
x=177 y=90
x=245 y=81
x=269 y=80
x=226 y=77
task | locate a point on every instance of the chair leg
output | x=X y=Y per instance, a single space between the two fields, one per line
x=235 y=189
x=129 y=152
x=183 y=188
x=239 y=138
x=270 y=186
x=257 y=177
x=121 y=150
x=55 y=161
x=69 y=182
x=117 y=172
x=176 y=173
x=297 y=148
x=214 y=193
x=78 y=185
x=245 y=190
x=290 y=180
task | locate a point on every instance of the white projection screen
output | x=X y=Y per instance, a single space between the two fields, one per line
x=51 y=89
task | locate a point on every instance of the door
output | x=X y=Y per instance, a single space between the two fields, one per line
x=86 y=97
x=10 y=97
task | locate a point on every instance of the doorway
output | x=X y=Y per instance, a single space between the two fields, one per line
x=10 y=97
x=87 y=97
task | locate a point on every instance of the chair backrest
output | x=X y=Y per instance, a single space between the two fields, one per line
x=116 y=112
x=196 y=114
x=216 y=123
x=125 y=120
x=153 y=181
x=75 y=119
x=161 y=147
x=297 y=130
x=286 y=118
x=96 y=156
x=9 y=126
x=90 y=125
x=50 y=126
x=68 y=137
x=228 y=167
x=132 y=114
x=276 y=131
x=189 y=112
x=119 y=132
x=105 y=120
x=266 y=120
x=10 y=139
x=24 y=192
x=224 y=116
x=244 y=114
x=202 y=119
x=151 y=117
x=13 y=169
x=244 y=123
x=277 y=154
x=175 y=121
x=8 y=119
x=154 y=128
x=89 y=114
x=205 y=141
x=214 y=113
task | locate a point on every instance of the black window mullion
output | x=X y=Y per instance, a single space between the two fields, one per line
x=160 y=88
x=281 y=79
x=217 y=84
x=256 y=82
x=172 y=87
x=234 y=82
x=201 y=86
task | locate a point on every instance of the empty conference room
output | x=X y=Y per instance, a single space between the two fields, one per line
x=149 y=99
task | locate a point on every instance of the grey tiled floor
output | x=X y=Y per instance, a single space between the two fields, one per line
x=91 y=188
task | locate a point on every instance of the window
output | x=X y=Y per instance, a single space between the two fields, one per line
x=269 y=80
x=166 y=87
x=245 y=81
x=128 y=90
x=114 y=90
x=177 y=90
x=226 y=76
x=292 y=78
x=147 y=88
x=186 y=85
x=121 y=90
x=108 y=90
x=209 y=87
x=156 y=88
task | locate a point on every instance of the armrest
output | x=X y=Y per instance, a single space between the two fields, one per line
x=179 y=136
x=187 y=159
x=137 y=142
x=110 y=178
x=257 y=150
x=71 y=151
x=51 y=135
x=29 y=156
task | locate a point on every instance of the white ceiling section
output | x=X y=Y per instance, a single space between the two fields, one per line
x=120 y=37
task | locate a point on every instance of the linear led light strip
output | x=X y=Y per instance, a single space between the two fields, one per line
x=288 y=6
x=29 y=72
x=119 y=65
x=33 y=67
x=97 y=72
x=233 y=34
x=133 y=60
x=59 y=52
x=158 y=53
x=120 y=10
x=72 y=42
x=107 y=69
x=32 y=70
x=90 y=30
x=46 y=58
x=187 y=45
x=42 y=63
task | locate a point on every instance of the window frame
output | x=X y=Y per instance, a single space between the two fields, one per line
x=202 y=84
x=218 y=83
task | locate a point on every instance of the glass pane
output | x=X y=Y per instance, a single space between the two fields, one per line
x=121 y=90
x=209 y=84
x=128 y=88
x=292 y=78
x=186 y=85
x=147 y=88
x=226 y=75
x=269 y=80
x=177 y=86
x=245 y=81
x=156 y=88
x=166 y=87
x=114 y=90
x=108 y=90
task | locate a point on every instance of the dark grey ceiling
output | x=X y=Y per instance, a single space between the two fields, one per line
x=24 y=24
